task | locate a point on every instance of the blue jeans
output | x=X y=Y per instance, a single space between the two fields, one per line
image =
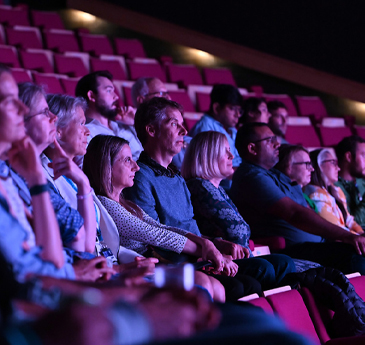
x=269 y=270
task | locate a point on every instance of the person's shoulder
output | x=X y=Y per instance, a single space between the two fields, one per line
x=206 y=123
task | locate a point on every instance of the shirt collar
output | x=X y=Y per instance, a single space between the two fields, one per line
x=158 y=169
x=4 y=170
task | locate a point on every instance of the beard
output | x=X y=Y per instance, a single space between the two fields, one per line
x=105 y=111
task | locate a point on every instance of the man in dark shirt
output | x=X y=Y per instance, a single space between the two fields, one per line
x=273 y=206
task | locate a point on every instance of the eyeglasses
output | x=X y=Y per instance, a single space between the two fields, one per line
x=157 y=94
x=308 y=165
x=334 y=162
x=46 y=112
x=273 y=140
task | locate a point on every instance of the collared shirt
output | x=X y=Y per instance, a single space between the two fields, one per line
x=355 y=197
x=208 y=123
x=162 y=193
x=117 y=129
x=255 y=189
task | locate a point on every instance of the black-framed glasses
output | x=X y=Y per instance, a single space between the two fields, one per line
x=308 y=164
x=157 y=94
x=273 y=140
x=334 y=162
x=46 y=112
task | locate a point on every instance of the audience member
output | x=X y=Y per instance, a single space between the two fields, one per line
x=103 y=107
x=294 y=162
x=273 y=206
x=330 y=200
x=278 y=122
x=351 y=159
x=207 y=161
x=255 y=110
x=138 y=231
x=224 y=112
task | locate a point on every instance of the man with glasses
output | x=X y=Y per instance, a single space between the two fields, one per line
x=350 y=152
x=103 y=110
x=223 y=115
x=274 y=206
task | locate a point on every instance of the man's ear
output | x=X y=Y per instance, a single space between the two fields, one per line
x=140 y=99
x=91 y=96
x=251 y=148
x=151 y=130
x=215 y=108
x=348 y=157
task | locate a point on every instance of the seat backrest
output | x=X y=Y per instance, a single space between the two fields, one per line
x=302 y=135
x=113 y=66
x=202 y=101
x=61 y=40
x=9 y=56
x=14 y=15
x=37 y=59
x=21 y=75
x=332 y=136
x=130 y=48
x=191 y=119
x=24 y=37
x=289 y=305
x=185 y=74
x=262 y=303
x=73 y=66
x=218 y=76
x=49 y=81
x=96 y=44
x=141 y=69
x=311 y=106
x=69 y=85
x=182 y=98
x=47 y=20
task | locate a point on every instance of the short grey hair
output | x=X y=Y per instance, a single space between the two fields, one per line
x=140 y=88
x=64 y=107
x=29 y=92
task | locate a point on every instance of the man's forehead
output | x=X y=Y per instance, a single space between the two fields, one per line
x=156 y=85
x=360 y=147
x=263 y=132
x=104 y=82
x=173 y=114
x=280 y=111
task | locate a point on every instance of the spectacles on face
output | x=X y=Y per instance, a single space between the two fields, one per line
x=46 y=112
x=273 y=140
x=157 y=94
x=334 y=162
x=308 y=165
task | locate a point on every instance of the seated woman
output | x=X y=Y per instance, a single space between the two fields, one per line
x=329 y=199
x=110 y=168
x=207 y=161
x=294 y=162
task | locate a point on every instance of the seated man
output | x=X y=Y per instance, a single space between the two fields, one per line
x=103 y=108
x=351 y=160
x=278 y=120
x=160 y=190
x=146 y=88
x=274 y=206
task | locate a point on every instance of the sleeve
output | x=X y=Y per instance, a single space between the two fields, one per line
x=132 y=227
x=155 y=223
x=260 y=190
x=220 y=211
x=325 y=208
x=141 y=193
x=69 y=220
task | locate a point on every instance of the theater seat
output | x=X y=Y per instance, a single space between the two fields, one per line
x=96 y=44
x=24 y=37
x=311 y=106
x=71 y=65
x=12 y=16
x=301 y=132
x=292 y=111
x=331 y=136
x=9 y=56
x=218 y=76
x=47 y=20
x=21 y=75
x=145 y=68
x=184 y=74
x=50 y=81
x=191 y=118
x=61 y=40
x=39 y=60
x=130 y=48
x=181 y=97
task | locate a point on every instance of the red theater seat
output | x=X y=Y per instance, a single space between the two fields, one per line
x=50 y=82
x=129 y=48
x=181 y=97
x=73 y=66
x=9 y=56
x=138 y=69
x=12 y=16
x=184 y=74
x=311 y=106
x=47 y=20
x=24 y=37
x=218 y=76
x=61 y=40
x=96 y=44
x=37 y=59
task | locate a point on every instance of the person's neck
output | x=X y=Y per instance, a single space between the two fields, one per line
x=161 y=157
x=4 y=149
x=95 y=115
x=215 y=182
x=346 y=175
x=115 y=195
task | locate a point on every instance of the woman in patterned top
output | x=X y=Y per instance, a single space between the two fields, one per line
x=208 y=160
x=329 y=199
x=109 y=165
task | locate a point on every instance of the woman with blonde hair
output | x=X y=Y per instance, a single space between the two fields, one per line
x=208 y=160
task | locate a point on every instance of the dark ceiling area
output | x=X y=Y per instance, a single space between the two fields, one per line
x=326 y=35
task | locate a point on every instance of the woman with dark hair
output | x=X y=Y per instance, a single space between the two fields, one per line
x=329 y=199
x=207 y=161
x=110 y=168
